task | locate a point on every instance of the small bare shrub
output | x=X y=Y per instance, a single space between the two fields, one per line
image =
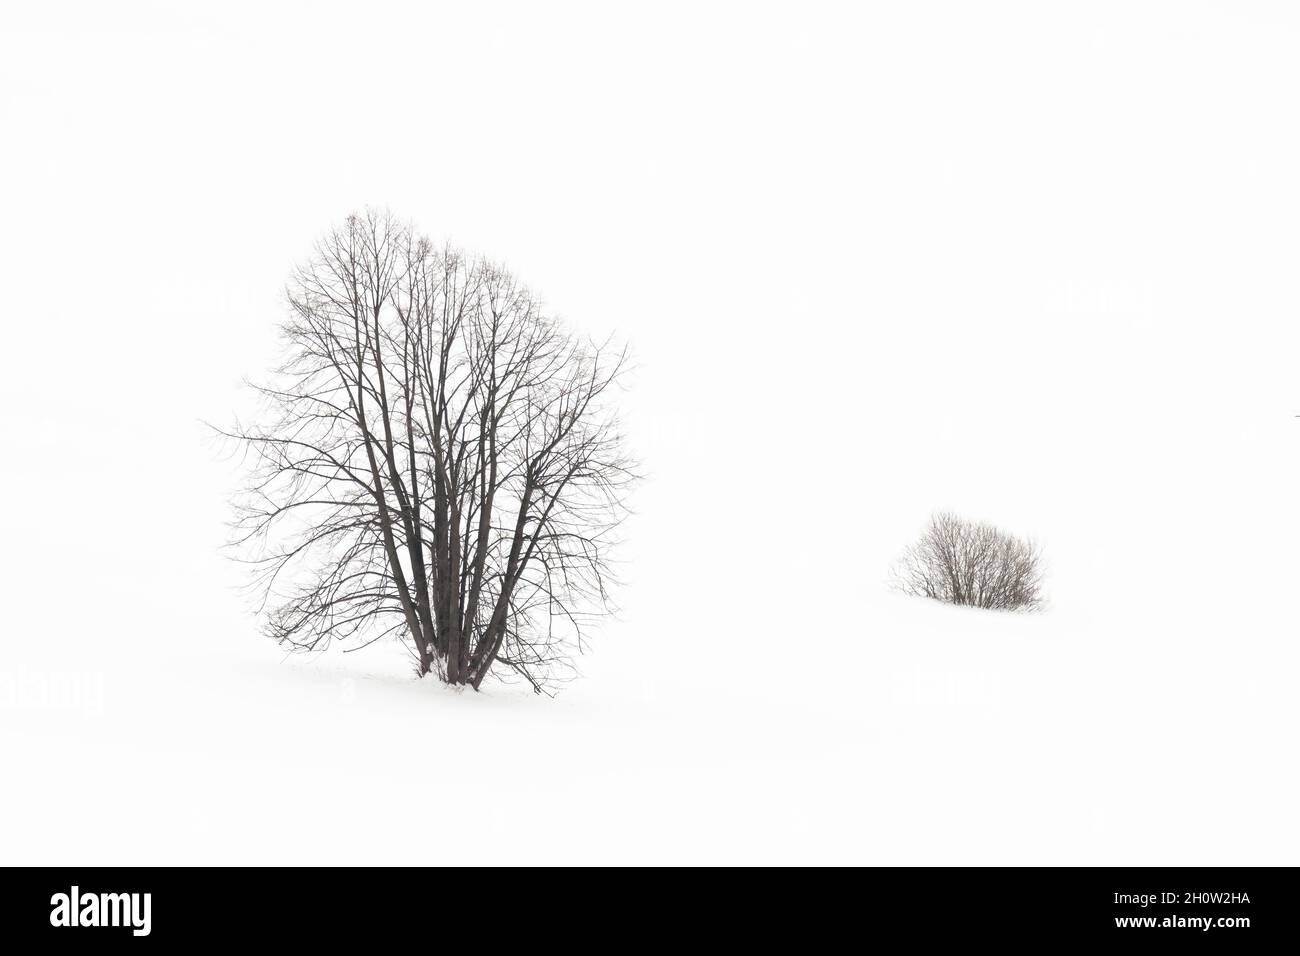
x=967 y=562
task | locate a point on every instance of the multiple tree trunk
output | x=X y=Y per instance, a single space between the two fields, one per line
x=438 y=463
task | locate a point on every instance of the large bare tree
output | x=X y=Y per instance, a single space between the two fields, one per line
x=439 y=462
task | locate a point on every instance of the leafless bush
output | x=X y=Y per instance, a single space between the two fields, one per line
x=966 y=562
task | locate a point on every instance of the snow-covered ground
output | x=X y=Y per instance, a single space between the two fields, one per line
x=1036 y=268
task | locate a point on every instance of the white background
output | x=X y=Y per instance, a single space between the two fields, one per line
x=1034 y=262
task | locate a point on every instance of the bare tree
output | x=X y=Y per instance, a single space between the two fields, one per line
x=967 y=562
x=439 y=463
